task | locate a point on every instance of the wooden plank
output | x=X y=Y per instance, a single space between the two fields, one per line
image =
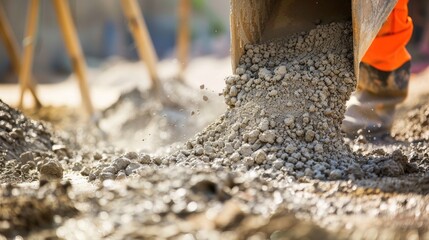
x=11 y=45
x=142 y=39
x=183 y=35
x=74 y=50
x=368 y=18
x=28 y=51
x=253 y=21
x=9 y=40
x=247 y=22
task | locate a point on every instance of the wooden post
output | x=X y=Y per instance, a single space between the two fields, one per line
x=183 y=36
x=74 y=50
x=9 y=40
x=28 y=52
x=11 y=45
x=142 y=39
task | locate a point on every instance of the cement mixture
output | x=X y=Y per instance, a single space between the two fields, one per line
x=273 y=166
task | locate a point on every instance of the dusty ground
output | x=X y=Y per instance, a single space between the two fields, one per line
x=145 y=195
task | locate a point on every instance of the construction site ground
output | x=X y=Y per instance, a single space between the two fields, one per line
x=193 y=203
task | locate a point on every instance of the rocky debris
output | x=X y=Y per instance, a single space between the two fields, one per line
x=25 y=144
x=254 y=174
x=122 y=167
x=176 y=202
x=286 y=104
x=19 y=134
x=24 y=210
x=51 y=170
x=415 y=125
x=138 y=120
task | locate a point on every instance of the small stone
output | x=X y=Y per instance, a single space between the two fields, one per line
x=199 y=151
x=32 y=164
x=318 y=148
x=290 y=148
x=233 y=92
x=273 y=93
x=235 y=157
x=264 y=125
x=268 y=136
x=121 y=163
x=289 y=121
x=77 y=166
x=205 y=98
x=309 y=135
x=259 y=156
x=335 y=174
x=132 y=155
x=240 y=71
x=92 y=177
x=121 y=175
x=26 y=157
x=25 y=168
x=51 y=170
x=145 y=158
x=97 y=156
x=131 y=168
x=58 y=147
x=111 y=169
x=106 y=176
x=253 y=136
x=85 y=171
x=157 y=160
x=228 y=148
x=278 y=164
x=248 y=161
x=246 y=150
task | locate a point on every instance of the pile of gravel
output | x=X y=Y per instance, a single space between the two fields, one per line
x=28 y=150
x=23 y=210
x=19 y=134
x=141 y=120
x=286 y=104
x=415 y=125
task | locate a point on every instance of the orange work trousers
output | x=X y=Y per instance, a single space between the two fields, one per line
x=387 y=52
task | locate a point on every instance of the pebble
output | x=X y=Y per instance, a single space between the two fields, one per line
x=145 y=158
x=259 y=156
x=121 y=163
x=51 y=170
x=26 y=157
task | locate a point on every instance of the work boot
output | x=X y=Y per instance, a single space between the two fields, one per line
x=371 y=108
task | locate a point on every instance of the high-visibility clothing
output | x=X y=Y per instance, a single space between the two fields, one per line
x=388 y=52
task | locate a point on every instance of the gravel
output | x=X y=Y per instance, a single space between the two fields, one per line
x=273 y=166
x=312 y=72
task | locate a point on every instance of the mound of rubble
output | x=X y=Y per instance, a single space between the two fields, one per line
x=23 y=210
x=286 y=104
x=415 y=125
x=27 y=148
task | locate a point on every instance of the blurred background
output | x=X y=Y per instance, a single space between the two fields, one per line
x=110 y=51
x=107 y=43
x=104 y=34
x=419 y=44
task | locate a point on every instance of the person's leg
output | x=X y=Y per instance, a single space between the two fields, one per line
x=384 y=76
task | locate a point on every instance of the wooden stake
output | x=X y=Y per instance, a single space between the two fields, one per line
x=28 y=52
x=142 y=39
x=74 y=50
x=11 y=45
x=9 y=40
x=183 y=35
